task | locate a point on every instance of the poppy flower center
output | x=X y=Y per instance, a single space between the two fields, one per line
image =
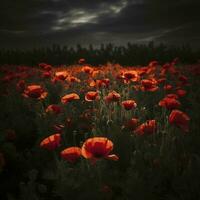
x=98 y=154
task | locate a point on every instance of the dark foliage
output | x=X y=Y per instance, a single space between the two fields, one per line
x=131 y=54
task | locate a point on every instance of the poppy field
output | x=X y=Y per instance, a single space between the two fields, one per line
x=106 y=132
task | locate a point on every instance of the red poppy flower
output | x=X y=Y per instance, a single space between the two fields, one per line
x=169 y=103
x=92 y=83
x=142 y=71
x=51 y=142
x=100 y=83
x=153 y=63
x=131 y=76
x=46 y=74
x=58 y=127
x=105 y=82
x=69 y=97
x=131 y=124
x=120 y=77
x=129 y=104
x=149 y=127
x=62 y=75
x=149 y=85
x=35 y=91
x=81 y=60
x=45 y=66
x=164 y=69
x=54 y=109
x=167 y=87
x=87 y=69
x=112 y=96
x=71 y=154
x=181 y=93
x=97 y=148
x=180 y=119
x=73 y=79
x=174 y=96
x=95 y=73
x=169 y=67
x=92 y=96
x=161 y=80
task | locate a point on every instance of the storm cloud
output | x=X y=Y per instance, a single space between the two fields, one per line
x=44 y=22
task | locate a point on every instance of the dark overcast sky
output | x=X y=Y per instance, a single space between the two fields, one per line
x=30 y=23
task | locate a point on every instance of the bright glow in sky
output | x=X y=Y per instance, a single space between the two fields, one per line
x=79 y=16
x=117 y=8
x=84 y=19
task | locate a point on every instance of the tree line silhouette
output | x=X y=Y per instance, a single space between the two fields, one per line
x=130 y=54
